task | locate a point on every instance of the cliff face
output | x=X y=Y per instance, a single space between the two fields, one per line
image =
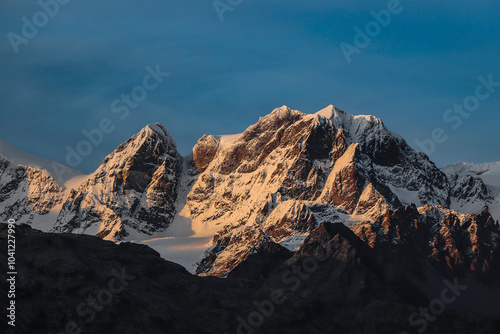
x=455 y=244
x=274 y=183
x=291 y=171
x=135 y=188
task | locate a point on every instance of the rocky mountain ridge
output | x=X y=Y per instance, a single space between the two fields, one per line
x=274 y=183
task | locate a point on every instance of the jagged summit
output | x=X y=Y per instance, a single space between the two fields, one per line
x=153 y=143
x=279 y=117
x=283 y=112
x=332 y=112
x=353 y=126
x=275 y=182
x=357 y=128
x=291 y=170
x=157 y=129
x=135 y=187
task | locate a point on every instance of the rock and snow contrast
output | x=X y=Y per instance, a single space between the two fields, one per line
x=60 y=173
x=32 y=188
x=473 y=186
x=135 y=187
x=236 y=195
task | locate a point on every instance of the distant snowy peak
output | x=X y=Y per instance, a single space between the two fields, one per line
x=59 y=172
x=474 y=186
x=278 y=118
x=355 y=127
x=152 y=132
x=489 y=173
x=462 y=168
x=283 y=112
x=26 y=191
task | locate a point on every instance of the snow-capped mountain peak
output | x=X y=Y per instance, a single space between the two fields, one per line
x=277 y=117
x=478 y=169
x=153 y=143
x=275 y=182
x=157 y=129
x=135 y=187
x=355 y=126
x=342 y=117
x=60 y=173
x=474 y=186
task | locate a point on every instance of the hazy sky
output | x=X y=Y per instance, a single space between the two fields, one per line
x=224 y=75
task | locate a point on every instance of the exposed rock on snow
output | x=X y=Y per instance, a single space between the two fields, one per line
x=331 y=160
x=26 y=191
x=271 y=184
x=135 y=187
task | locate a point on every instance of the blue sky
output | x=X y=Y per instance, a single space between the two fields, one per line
x=225 y=75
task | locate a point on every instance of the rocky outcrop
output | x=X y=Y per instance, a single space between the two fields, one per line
x=454 y=243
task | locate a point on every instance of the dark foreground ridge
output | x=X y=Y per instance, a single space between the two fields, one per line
x=334 y=283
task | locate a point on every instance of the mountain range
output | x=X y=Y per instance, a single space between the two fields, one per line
x=276 y=181
x=391 y=225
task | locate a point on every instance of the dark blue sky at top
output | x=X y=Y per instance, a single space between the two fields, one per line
x=225 y=75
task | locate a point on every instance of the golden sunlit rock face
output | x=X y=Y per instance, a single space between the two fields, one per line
x=291 y=171
x=273 y=183
x=136 y=186
x=454 y=242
